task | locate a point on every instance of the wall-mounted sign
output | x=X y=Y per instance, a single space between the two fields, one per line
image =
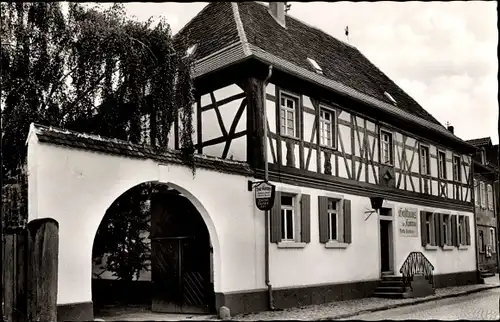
x=264 y=195
x=407 y=222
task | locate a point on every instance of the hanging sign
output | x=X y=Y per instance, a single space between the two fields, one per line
x=264 y=195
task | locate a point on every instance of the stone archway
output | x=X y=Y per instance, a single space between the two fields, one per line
x=178 y=254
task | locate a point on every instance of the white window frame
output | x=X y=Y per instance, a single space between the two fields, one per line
x=482 y=191
x=390 y=143
x=441 y=165
x=332 y=123
x=286 y=208
x=493 y=240
x=285 y=109
x=461 y=230
x=424 y=162
x=429 y=225
x=447 y=229
x=457 y=176
x=334 y=212
x=489 y=196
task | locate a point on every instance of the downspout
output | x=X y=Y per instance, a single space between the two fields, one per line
x=266 y=178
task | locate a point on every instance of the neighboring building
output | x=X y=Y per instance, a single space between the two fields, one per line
x=340 y=134
x=486 y=200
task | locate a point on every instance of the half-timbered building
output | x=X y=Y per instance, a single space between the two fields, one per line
x=337 y=132
x=486 y=204
x=372 y=192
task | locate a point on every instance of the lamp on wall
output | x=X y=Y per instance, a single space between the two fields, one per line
x=376 y=202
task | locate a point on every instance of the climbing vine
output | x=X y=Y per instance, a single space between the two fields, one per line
x=90 y=70
x=95 y=71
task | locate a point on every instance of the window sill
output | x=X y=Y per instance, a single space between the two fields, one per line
x=448 y=247
x=285 y=136
x=291 y=244
x=330 y=148
x=336 y=245
x=430 y=247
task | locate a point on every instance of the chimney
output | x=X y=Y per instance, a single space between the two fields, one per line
x=451 y=128
x=277 y=10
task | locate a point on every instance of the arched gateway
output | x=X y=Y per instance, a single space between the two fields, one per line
x=74 y=178
x=176 y=251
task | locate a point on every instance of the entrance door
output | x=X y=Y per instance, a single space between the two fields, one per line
x=180 y=257
x=385 y=254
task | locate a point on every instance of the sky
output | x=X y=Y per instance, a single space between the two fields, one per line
x=443 y=54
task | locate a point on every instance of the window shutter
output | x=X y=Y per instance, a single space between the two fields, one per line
x=437 y=229
x=467 y=230
x=476 y=193
x=423 y=230
x=490 y=197
x=305 y=214
x=347 y=221
x=483 y=194
x=323 y=219
x=276 y=219
x=454 y=233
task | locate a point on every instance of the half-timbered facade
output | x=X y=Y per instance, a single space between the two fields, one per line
x=338 y=133
x=486 y=204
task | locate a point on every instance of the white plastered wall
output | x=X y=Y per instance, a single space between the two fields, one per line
x=76 y=187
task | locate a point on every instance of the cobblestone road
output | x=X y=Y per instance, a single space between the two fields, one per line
x=477 y=306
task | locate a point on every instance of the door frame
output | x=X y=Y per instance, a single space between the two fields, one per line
x=391 y=228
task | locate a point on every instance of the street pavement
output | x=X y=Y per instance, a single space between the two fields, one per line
x=477 y=306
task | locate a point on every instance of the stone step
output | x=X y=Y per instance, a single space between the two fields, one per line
x=392 y=283
x=392 y=295
x=392 y=278
x=391 y=289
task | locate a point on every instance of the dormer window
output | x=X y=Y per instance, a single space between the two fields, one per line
x=315 y=65
x=190 y=50
x=389 y=96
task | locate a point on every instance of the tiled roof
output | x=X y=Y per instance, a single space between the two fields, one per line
x=123 y=148
x=232 y=32
x=479 y=142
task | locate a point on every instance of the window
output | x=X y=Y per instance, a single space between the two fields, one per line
x=332 y=219
x=288 y=115
x=315 y=65
x=493 y=240
x=461 y=230
x=442 y=165
x=481 y=241
x=457 y=174
x=428 y=228
x=287 y=217
x=490 y=197
x=446 y=230
x=482 y=193
x=327 y=126
x=424 y=160
x=290 y=220
x=386 y=147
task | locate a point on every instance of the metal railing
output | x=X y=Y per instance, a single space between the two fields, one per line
x=416 y=263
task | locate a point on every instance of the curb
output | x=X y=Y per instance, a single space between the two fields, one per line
x=392 y=306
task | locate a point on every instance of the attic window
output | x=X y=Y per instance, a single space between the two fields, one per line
x=315 y=65
x=191 y=50
x=389 y=96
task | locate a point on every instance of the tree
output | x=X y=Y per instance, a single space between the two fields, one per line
x=94 y=71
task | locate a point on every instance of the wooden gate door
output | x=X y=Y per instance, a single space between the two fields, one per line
x=180 y=258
